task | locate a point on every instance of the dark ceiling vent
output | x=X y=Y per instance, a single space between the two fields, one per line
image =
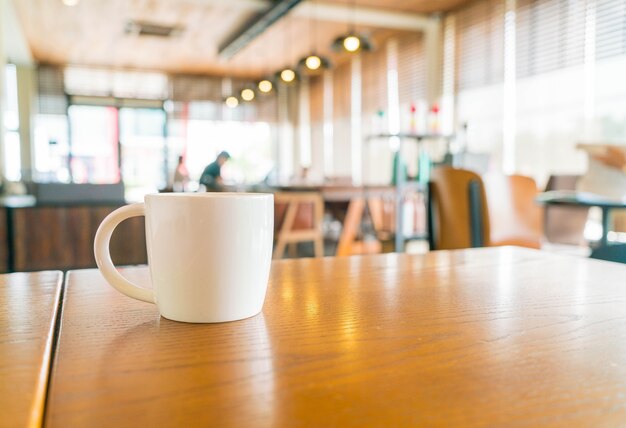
x=143 y=28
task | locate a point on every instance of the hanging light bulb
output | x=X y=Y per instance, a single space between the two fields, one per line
x=247 y=94
x=265 y=86
x=351 y=43
x=288 y=75
x=313 y=62
x=232 y=102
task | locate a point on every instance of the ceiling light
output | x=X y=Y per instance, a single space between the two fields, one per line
x=288 y=75
x=351 y=43
x=247 y=94
x=265 y=86
x=232 y=102
x=313 y=62
x=70 y=2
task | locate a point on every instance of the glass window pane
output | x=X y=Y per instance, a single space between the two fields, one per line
x=11 y=118
x=249 y=144
x=94 y=146
x=51 y=148
x=143 y=151
x=12 y=162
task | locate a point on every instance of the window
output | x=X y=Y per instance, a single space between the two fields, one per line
x=609 y=83
x=142 y=145
x=341 y=118
x=51 y=136
x=120 y=84
x=565 y=68
x=94 y=145
x=374 y=91
x=12 y=162
x=412 y=83
x=480 y=74
x=199 y=130
x=249 y=144
x=549 y=86
x=51 y=148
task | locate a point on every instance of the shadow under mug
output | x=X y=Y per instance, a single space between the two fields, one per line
x=209 y=254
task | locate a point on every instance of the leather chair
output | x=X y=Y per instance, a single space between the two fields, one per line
x=457 y=210
x=514 y=216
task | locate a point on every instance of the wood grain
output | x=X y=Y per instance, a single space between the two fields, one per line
x=28 y=311
x=482 y=337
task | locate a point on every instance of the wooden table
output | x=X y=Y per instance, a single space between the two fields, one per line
x=495 y=336
x=381 y=202
x=28 y=309
x=583 y=199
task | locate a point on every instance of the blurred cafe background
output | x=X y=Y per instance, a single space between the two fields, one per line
x=355 y=113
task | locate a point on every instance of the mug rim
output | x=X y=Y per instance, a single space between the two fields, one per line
x=209 y=195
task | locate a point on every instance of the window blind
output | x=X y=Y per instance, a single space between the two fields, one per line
x=341 y=91
x=195 y=88
x=480 y=44
x=374 y=81
x=411 y=69
x=89 y=81
x=267 y=108
x=52 y=98
x=316 y=99
x=610 y=28
x=550 y=35
x=341 y=119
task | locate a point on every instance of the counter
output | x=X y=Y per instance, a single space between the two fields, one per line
x=40 y=236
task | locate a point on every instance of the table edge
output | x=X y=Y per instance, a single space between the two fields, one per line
x=39 y=403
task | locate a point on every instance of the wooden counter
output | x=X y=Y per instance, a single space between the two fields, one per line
x=61 y=237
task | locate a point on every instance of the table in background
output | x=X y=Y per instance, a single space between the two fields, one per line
x=28 y=309
x=583 y=199
x=492 y=336
x=363 y=201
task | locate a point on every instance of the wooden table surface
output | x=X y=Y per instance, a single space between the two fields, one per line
x=482 y=337
x=28 y=309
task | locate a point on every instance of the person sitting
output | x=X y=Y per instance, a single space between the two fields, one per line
x=211 y=177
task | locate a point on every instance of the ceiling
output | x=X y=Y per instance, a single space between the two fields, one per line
x=93 y=32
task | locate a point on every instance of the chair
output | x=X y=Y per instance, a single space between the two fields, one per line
x=514 y=216
x=457 y=210
x=564 y=225
x=298 y=218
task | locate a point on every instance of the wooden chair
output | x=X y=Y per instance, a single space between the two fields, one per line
x=298 y=218
x=457 y=210
x=514 y=216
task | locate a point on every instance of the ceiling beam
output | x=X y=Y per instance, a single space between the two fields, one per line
x=374 y=17
x=240 y=5
x=251 y=30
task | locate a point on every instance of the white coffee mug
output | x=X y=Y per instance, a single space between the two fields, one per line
x=209 y=254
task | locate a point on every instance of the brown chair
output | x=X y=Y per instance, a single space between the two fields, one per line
x=298 y=218
x=457 y=210
x=514 y=216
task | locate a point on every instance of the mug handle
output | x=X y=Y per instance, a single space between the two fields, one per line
x=103 y=256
